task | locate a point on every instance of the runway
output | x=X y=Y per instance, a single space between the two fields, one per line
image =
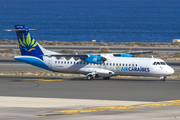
x=23 y=97
x=130 y=89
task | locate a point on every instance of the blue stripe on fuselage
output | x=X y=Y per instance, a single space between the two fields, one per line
x=33 y=61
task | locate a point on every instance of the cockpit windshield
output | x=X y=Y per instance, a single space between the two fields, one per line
x=163 y=63
x=159 y=63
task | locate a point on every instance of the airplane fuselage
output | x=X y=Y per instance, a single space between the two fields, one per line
x=117 y=65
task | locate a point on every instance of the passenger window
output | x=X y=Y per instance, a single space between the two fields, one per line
x=67 y=62
x=122 y=64
x=55 y=61
x=133 y=65
x=64 y=62
x=129 y=64
x=110 y=64
x=107 y=64
x=136 y=65
x=126 y=65
x=113 y=64
x=116 y=64
x=119 y=64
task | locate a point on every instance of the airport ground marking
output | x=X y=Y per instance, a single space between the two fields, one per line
x=172 y=101
x=110 y=108
x=47 y=80
x=116 y=107
x=158 y=104
x=76 y=111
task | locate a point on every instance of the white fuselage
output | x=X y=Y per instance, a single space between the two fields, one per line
x=117 y=65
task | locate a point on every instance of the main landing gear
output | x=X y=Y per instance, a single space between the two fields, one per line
x=89 y=77
x=106 y=78
x=163 y=78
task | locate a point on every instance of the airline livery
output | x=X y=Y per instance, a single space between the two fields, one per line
x=91 y=65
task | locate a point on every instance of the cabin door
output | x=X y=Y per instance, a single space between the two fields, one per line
x=50 y=63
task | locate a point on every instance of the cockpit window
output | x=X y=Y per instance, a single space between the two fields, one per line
x=159 y=63
x=163 y=63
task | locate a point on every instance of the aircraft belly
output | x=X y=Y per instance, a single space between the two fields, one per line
x=66 y=69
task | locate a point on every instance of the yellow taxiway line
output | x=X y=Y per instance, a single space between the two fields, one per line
x=107 y=108
x=47 y=80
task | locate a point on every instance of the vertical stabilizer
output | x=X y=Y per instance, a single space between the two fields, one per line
x=28 y=46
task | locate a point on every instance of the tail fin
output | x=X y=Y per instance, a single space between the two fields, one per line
x=28 y=46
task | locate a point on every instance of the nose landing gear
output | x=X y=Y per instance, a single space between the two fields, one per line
x=162 y=78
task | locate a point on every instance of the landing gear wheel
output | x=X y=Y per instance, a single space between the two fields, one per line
x=89 y=77
x=163 y=78
x=106 y=78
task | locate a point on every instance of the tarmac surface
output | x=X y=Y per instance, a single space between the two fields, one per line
x=31 y=98
x=129 y=89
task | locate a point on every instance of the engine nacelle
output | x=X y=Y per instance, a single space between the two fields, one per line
x=96 y=59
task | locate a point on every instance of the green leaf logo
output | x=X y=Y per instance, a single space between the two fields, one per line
x=118 y=68
x=27 y=42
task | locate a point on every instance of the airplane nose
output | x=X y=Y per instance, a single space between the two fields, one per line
x=171 y=70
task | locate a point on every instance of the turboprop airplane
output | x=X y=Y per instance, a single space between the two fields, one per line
x=103 y=65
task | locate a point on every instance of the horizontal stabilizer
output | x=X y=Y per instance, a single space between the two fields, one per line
x=9 y=30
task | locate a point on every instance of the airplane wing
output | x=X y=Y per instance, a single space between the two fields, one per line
x=140 y=52
x=130 y=54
